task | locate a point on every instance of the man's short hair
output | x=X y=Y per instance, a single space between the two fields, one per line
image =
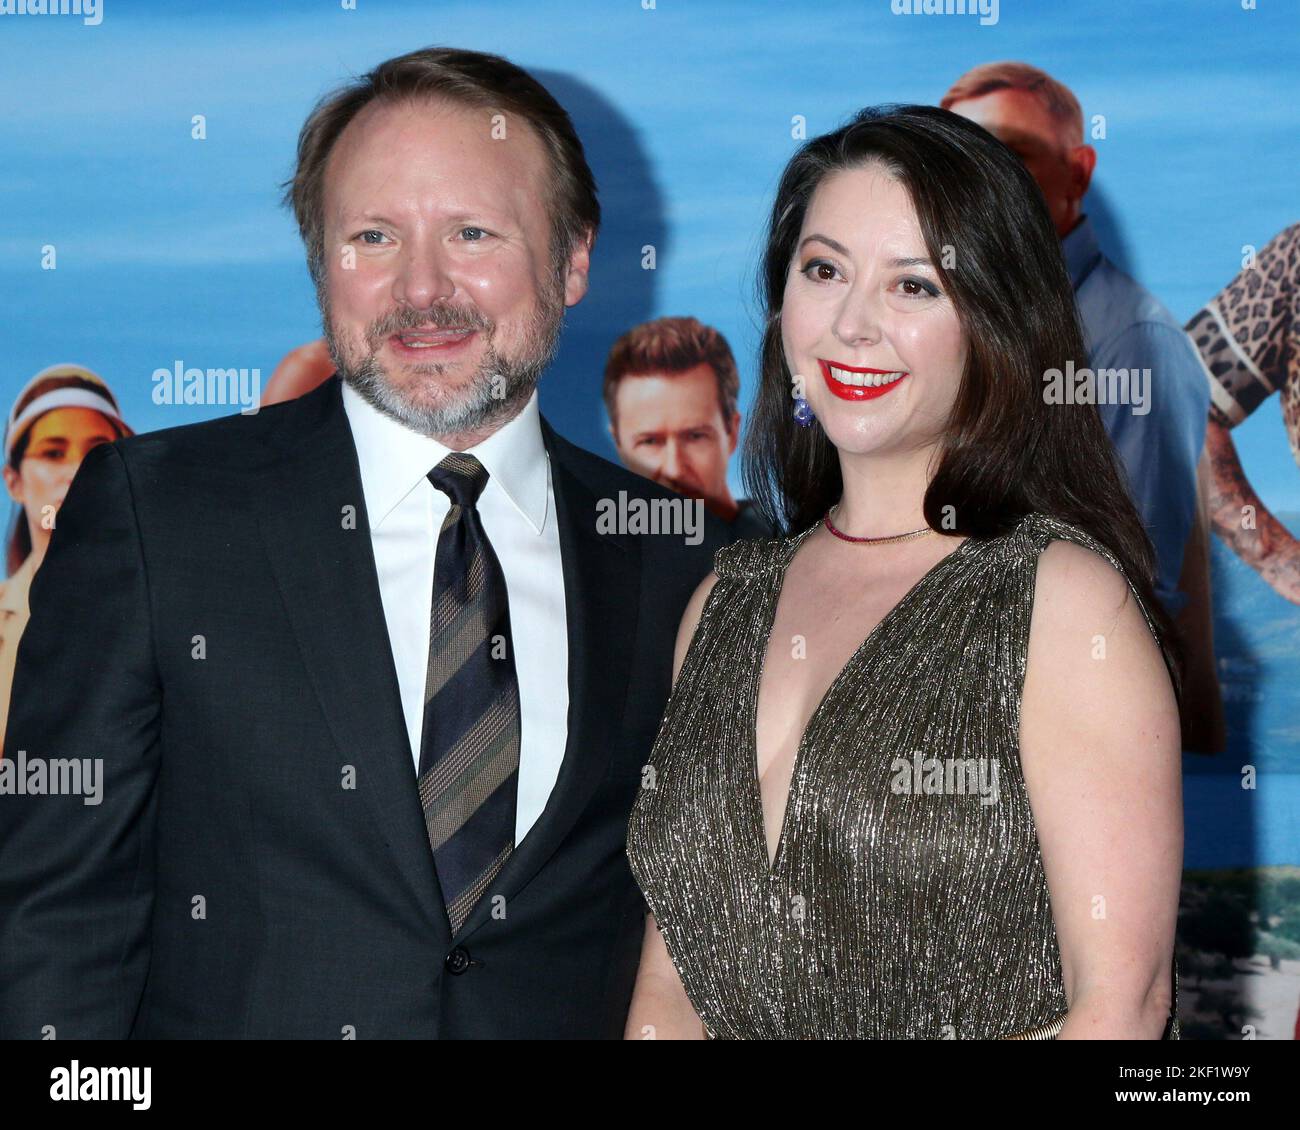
x=1055 y=97
x=670 y=346
x=471 y=79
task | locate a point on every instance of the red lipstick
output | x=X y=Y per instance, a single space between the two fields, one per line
x=846 y=391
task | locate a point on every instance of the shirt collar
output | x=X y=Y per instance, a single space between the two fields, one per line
x=1081 y=250
x=394 y=459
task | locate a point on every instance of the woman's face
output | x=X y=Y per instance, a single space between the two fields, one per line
x=865 y=324
x=56 y=445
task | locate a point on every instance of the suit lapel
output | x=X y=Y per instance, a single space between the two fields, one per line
x=311 y=510
x=312 y=514
x=601 y=596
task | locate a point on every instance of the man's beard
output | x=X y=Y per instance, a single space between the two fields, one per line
x=494 y=395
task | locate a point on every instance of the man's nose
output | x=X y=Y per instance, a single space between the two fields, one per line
x=672 y=461
x=423 y=275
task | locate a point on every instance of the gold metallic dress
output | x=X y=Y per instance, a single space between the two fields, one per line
x=907 y=899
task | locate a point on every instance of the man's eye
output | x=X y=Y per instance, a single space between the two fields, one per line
x=473 y=235
x=364 y=236
x=647 y=441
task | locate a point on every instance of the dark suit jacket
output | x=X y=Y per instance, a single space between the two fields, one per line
x=208 y=623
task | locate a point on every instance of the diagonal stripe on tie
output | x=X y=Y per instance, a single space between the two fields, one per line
x=454 y=646
x=457 y=785
x=449 y=603
x=458 y=909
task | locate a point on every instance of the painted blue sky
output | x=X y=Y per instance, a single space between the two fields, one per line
x=174 y=249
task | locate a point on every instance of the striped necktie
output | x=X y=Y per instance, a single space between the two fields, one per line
x=469 y=747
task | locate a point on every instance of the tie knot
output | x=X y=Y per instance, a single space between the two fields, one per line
x=461 y=477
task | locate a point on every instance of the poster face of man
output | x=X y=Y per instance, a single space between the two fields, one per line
x=670 y=428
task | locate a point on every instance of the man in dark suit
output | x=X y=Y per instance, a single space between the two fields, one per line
x=369 y=677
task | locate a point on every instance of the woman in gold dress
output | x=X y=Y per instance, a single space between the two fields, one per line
x=919 y=774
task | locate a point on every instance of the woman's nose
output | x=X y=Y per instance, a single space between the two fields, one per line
x=858 y=321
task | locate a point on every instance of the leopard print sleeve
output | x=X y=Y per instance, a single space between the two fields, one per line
x=1249 y=336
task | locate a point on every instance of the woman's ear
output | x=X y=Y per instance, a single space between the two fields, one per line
x=14 y=484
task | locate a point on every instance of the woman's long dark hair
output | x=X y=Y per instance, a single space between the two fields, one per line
x=1006 y=452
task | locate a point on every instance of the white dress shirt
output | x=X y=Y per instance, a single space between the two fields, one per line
x=517 y=508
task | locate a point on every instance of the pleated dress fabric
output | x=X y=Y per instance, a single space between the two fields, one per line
x=901 y=904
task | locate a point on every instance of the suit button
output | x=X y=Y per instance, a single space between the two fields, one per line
x=457 y=961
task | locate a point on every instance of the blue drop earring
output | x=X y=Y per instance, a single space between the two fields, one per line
x=803 y=413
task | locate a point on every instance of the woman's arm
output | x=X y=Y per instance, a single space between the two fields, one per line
x=1100 y=753
x=660 y=1008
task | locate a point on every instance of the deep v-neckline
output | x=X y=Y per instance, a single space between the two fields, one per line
x=771 y=865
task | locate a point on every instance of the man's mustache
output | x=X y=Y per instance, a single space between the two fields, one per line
x=436 y=317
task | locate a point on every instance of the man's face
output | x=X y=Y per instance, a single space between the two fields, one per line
x=1021 y=122
x=439 y=299
x=670 y=428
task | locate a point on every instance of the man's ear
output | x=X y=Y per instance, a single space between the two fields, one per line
x=1083 y=160
x=579 y=270
x=613 y=431
x=733 y=433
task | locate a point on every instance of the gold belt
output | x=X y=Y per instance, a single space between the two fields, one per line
x=1048 y=1031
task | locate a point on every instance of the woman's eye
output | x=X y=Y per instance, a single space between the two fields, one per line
x=823 y=271
x=919 y=288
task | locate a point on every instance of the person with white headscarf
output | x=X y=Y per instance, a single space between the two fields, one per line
x=58 y=417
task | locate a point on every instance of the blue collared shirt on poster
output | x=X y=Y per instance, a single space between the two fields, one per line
x=1127 y=327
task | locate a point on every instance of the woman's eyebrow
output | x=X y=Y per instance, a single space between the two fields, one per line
x=835 y=245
